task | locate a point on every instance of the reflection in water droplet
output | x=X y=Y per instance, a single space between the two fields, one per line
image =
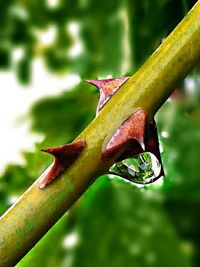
x=143 y=168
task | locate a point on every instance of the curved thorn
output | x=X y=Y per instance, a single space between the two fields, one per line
x=63 y=157
x=107 y=88
x=152 y=143
x=133 y=137
x=127 y=137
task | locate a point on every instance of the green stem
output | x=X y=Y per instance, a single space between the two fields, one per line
x=37 y=210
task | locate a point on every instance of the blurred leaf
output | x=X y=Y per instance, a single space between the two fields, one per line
x=181 y=160
x=65 y=116
x=121 y=225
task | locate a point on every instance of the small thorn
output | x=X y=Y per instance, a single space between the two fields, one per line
x=107 y=88
x=127 y=138
x=64 y=156
x=97 y=83
x=142 y=146
x=68 y=150
x=152 y=143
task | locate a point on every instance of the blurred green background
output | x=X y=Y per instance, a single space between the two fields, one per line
x=46 y=49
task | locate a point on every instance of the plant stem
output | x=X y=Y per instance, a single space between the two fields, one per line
x=37 y=210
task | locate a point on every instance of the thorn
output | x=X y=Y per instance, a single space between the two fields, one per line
x=152 y=143
x=142 y=146
x=68 y=150
x=134 y=136
x=127 y=138
x=107 y=88
x=63 y=157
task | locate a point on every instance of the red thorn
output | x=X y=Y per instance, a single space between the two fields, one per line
x=68 y=150
x=131 y=132
x=64 y=156
x=152 y=143
x=134 y=137
x=107 y=88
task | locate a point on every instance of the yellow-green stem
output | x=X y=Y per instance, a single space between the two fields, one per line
x=37 y=210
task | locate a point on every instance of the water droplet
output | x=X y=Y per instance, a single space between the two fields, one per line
x=143 y=168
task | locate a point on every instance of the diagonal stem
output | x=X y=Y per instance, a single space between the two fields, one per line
x=37 y=211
